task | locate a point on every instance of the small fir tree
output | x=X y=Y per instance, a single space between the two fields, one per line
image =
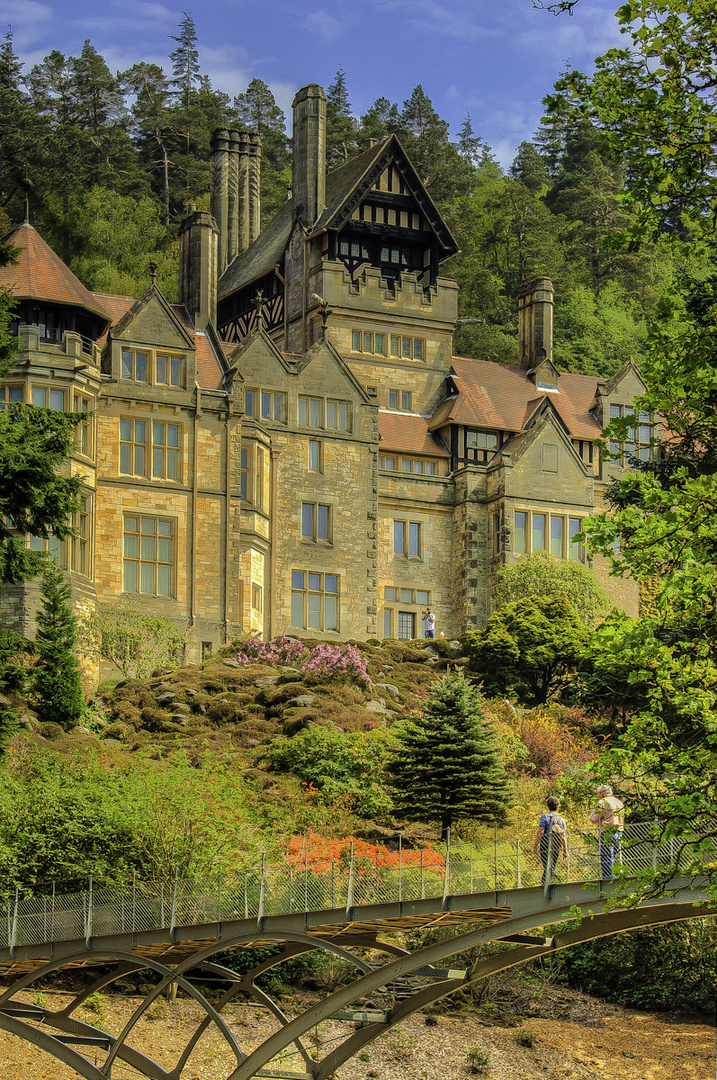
x=447 y=765
x=58 y=688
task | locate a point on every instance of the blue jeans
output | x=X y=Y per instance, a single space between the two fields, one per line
x=610 y=846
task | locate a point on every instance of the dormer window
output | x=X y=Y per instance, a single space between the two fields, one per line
x=480 y=446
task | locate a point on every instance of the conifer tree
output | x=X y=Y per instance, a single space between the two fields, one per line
x=185 y=61
x=340 y=124
x=446 y=766
x=58 y=688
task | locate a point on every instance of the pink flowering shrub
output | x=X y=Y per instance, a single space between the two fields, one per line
x=323 y=660
x=280 y=650
x=326 y=659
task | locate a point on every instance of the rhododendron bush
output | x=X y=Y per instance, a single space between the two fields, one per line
x=324 y=659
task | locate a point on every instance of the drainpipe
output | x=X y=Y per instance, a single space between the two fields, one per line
x=195 y=484
x=227 y=545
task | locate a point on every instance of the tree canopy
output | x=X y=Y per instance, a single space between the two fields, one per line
x=542 y=574
x=529 y=648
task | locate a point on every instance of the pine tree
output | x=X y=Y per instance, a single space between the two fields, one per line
x=257 y=110
x=447 y=767
x=340 y=124
x=185 y=61
x=58 y=687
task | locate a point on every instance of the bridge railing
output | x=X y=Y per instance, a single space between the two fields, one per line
x=447 y=869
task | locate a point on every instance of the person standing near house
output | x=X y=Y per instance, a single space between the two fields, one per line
x=609 y=816
x=551 y=839
x=429 y=623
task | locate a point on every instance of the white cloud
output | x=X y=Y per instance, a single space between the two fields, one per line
x=325 y=25
x=28 y=20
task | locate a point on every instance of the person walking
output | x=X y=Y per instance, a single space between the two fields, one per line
x=551 y=839
x=608 y=814
x=429 y=623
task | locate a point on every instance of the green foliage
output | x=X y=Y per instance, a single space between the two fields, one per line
x=477 y=1060
x=526 y=1037
x=530 y=647
x=446 y=765
x=14 y=650
x=665 y=967
x=9 y=726
x=134 y=640
x=341 y=766
x=34 y=500
x=542 y=574
x=57 y=684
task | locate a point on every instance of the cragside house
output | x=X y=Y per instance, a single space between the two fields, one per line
x=293 y=445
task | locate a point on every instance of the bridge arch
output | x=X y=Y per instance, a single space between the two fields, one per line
x=186 y=950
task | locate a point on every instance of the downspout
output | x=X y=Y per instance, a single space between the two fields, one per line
x=304 y=292
x=195 y=486
x=227 y=544
x=272 y=552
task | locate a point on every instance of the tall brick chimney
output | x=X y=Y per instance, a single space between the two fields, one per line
x=198 y=241
x=235 y=198
x=535 y=322
x=309 y=158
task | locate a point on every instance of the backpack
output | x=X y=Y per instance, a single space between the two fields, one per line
x=556 y=828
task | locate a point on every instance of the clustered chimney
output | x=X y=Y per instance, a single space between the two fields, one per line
x=308 y=177
x=535 y=322
x=198 y=267
x=235 y=198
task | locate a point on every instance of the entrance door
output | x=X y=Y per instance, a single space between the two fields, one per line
x=406 y=625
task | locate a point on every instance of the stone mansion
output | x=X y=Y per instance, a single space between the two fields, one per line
x=294 y=445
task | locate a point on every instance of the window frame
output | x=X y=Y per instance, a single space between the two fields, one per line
x=569 y=525
x=407 y=539
x=317 y=604
x=151 y=361
x=317 y=519
x=140 y=559
x=152 y=450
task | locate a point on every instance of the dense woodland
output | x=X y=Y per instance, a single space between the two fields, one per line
x=106 y=164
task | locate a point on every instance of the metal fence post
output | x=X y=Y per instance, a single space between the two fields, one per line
x=134 y=902
x=12 y=935
x=246 y=901
x=88 y=916
x=495 y=855
x=423 y=882
x=471 y=866
x=52 y=924
x=519 y=876
x=173 y=912
x=260 y=910
x=350 y=887
x=447 y=871
x=306 y=879
x=400 y=869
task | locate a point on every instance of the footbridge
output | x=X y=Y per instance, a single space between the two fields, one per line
x=188 y=936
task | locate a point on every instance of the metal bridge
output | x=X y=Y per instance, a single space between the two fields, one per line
x=185 y=936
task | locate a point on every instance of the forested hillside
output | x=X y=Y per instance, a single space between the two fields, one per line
x=105 y=165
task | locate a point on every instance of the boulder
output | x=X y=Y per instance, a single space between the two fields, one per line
x=388 y=688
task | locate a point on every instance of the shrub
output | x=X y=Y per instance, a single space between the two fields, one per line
x=337 y=764
x=57 y=683
x=526 y=1037
x=324 y=659
x=553 y=746
x=478 y=1060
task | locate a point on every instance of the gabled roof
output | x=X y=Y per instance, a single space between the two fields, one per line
x=40 y=274
x=504 y=398
x=408 y=433
x=346 y=187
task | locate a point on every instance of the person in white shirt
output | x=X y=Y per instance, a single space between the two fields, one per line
x=429 y=623
x=609 y=817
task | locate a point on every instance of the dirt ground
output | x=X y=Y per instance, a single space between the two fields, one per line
x=594 y=1041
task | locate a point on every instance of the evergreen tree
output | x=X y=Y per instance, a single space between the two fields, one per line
x=471 y=147
x=57 y=684
x=447 y=766
x=341 y=143
x=153 y=125
x=381 y=120
x=185 y=62
x=257 y=111
x=424 y=136
x=529 y=168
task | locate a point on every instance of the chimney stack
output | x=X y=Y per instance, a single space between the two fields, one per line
x=235 y=198
x=309 y=157
x=535 y=322
x=198 y=241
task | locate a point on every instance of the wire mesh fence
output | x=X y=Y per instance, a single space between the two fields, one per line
x=459 y=870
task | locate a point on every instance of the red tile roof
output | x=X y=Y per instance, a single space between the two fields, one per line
x=408 y=433
x=504 y=398
x=40 y=274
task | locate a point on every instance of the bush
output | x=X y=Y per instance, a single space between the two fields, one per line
x=324 y=660
x=337 y=764
x=553 y=746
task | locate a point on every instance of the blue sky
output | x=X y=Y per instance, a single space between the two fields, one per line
x=493 y=59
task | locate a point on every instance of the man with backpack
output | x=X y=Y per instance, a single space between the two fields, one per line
x=551 y=838
x=609 y=816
